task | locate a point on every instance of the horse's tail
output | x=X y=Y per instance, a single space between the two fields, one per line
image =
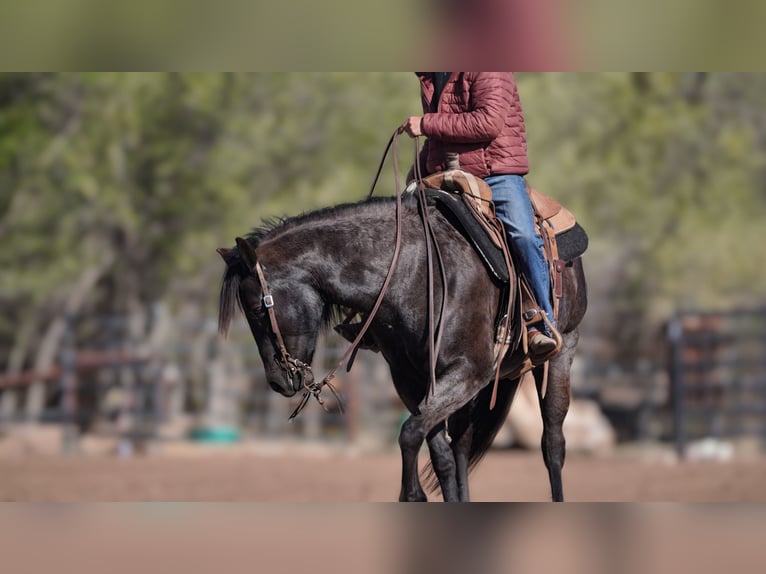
x=487 y=423
x=484 y=424
x=229 y=298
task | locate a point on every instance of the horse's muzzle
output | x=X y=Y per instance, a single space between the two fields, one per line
x=286 y=384
x=295 y=376
x=291 y=383
x=285 y=391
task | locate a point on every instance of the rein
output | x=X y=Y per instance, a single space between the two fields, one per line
x=386 y=283
x=434 y=343
x=431 y=246
x=295 y=367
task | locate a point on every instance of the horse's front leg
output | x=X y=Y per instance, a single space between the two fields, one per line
x=554 y=407
x=452 y=393
x=461 y=429
x=410 y=440
x=443 y=461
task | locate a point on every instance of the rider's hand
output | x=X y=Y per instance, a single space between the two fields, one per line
x=413 y=126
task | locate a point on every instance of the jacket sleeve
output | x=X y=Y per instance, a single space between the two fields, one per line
x=491 y=97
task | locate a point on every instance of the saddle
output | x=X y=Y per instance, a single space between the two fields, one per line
x=466 y=201
x=564 y=238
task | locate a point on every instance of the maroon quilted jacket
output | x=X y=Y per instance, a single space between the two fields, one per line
x=479 y=117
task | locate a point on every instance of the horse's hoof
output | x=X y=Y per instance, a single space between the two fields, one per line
x=413 y=497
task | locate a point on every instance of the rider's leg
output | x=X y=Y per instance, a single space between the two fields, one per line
x=514 y=209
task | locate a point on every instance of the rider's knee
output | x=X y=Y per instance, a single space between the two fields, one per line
x=527 y=241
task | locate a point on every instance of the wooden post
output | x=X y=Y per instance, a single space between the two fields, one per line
x=70 y=432
x=353 y=405
x=675 y=337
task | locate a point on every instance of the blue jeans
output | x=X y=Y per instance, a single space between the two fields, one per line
x=514 y=209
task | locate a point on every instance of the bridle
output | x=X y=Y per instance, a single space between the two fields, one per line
x=289 y=364
x=285 y=360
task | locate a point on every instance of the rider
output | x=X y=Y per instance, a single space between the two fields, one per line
x=478 y=116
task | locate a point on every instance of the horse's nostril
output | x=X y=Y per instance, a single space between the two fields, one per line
x=275 y=387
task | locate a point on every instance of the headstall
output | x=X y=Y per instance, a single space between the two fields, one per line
x=289 y=364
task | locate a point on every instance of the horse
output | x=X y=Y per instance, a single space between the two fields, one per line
x=322 y=264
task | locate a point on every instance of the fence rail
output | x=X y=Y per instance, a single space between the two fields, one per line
x=194 y=377
x=84 y=360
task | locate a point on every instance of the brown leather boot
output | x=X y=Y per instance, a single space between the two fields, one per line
x=540 y=344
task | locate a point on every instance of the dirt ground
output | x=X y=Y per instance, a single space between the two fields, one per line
x=285 y=475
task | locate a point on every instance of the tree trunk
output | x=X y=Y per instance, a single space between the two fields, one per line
x=9 y=398
x=50 y=345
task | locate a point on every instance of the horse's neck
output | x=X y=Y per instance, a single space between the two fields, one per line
x=346 y=258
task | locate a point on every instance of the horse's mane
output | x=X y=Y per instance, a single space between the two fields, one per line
x=229 y=300
x=276 y=225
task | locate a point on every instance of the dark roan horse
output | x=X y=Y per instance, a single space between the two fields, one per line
x=334 y=260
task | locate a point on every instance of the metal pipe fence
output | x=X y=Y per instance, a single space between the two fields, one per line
x=718 y=375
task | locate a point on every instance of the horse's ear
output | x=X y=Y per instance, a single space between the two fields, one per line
x=247 y=253
x=223 y=252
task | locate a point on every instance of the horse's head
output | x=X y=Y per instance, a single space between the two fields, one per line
x=283 y=312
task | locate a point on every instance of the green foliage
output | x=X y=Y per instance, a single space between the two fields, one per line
x=666 y=171
x=141 y=176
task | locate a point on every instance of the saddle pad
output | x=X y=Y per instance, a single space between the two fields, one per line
x=572 y=243
x=452 y=207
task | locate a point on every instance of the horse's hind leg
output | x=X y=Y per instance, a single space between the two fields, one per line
x=554 y=407
x=443 y=461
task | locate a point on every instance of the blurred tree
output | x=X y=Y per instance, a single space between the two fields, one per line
x=116 y=188
x=666 y=170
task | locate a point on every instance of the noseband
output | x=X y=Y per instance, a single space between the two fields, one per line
x=289 y=364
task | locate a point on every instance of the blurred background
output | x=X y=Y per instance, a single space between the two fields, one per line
x=116 y=188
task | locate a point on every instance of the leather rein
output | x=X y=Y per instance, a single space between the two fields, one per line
x=292 y=366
